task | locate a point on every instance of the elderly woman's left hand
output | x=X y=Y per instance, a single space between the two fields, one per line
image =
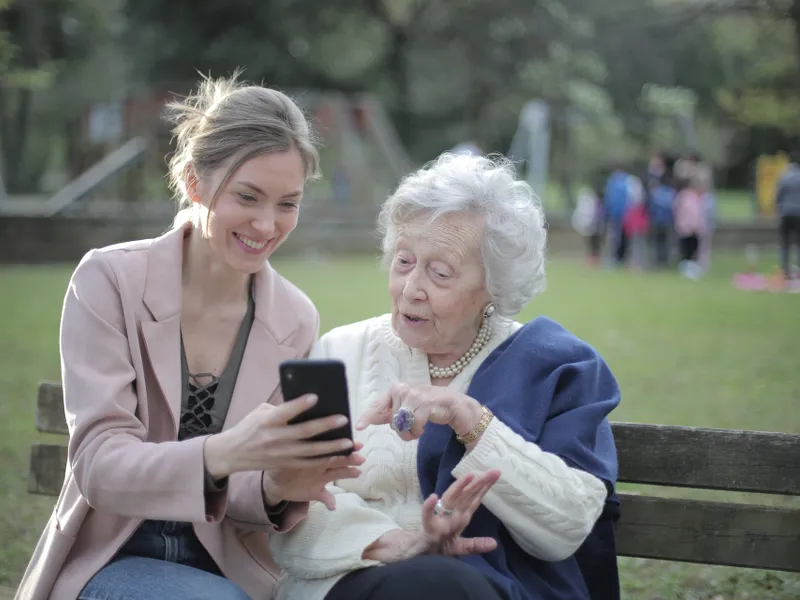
x=424 y=403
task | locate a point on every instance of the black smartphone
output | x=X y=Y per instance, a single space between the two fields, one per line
x=328 y=381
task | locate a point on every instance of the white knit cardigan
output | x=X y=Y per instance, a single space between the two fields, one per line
x=528 y=498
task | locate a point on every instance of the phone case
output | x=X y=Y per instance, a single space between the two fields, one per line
x=325 y=378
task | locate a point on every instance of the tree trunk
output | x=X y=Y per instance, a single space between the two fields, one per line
x=398 y=68
x=15 y=116
x=794 y=14
x=18 y=142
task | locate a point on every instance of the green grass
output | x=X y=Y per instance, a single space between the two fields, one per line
x=690 y=353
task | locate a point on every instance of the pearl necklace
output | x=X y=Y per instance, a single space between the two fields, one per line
x=484 y=333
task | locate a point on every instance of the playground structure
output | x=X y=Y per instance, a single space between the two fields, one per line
x=361 y=158
x=560 y=147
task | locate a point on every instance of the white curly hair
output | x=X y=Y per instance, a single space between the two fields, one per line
x=514 y=234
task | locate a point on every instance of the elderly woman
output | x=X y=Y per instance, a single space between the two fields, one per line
x=489 y=459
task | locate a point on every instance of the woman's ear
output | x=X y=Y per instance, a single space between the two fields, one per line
x=190 y=181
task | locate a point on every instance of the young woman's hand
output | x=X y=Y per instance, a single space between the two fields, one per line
x=308 y=484
x=265 y=441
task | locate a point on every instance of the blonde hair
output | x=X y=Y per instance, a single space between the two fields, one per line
x=227 y=121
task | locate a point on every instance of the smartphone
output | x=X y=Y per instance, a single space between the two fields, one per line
x=328 y=381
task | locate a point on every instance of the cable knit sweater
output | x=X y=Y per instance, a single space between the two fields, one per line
x=387 y=495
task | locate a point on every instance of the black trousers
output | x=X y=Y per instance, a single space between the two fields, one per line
x=621 y=251
x=428 y=577
x=789 y=230
x=689 y=247
x=660 y=237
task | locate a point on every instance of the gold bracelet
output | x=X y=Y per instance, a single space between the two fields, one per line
x=486 y=418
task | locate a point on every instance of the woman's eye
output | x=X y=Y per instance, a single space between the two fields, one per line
x=247 y=197
x=289 y=205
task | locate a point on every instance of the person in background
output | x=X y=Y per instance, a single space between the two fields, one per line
x=615 y=200
x=689 y=225
x=787 y=203
x=708 y=204
x=636 y=225
x=660 y=208
x=598 y=232
x=588 y=220
x=656 y=169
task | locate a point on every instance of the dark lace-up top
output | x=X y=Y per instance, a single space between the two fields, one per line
x=205 y=398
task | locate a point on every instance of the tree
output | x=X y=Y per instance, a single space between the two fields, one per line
x=39 y=39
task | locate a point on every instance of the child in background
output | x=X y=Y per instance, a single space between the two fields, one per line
x=708 y=206
x=636 y=225
x=588 y=220
x=689 y=225
x=662 y=201
x=615 y=203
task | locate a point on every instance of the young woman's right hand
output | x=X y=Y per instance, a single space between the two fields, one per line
x=265 y=441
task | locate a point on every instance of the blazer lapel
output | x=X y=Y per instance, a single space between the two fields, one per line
x=266 y=348
x=162 y=296
x=162 y=339
x=258 y=376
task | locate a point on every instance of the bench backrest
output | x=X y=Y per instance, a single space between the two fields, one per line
x=712 y=532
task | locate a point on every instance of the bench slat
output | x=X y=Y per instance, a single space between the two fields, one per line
x=47 y=467
x=50 y=409
x=715 y=533
x=717 y=459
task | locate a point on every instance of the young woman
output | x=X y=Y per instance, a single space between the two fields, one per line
x=181 y=458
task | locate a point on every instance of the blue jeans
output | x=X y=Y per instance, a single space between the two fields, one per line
x=163 y=559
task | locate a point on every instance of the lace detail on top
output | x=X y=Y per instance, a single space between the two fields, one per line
x=197 y=418
x=205 y=397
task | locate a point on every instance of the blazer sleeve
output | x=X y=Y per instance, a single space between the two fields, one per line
x=114 y=468
x=246 y=508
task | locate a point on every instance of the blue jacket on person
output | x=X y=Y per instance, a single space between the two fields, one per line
x=616 y=196
x=662 y=201
x=556 y=391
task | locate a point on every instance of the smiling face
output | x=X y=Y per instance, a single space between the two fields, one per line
x=255 y=210
x=437 y=286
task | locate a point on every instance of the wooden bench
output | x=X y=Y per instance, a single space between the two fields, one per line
x=710 y=532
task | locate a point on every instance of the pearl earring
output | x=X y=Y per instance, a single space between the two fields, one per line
x=489 y=310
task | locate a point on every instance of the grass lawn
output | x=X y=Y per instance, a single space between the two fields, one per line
x=691 y=353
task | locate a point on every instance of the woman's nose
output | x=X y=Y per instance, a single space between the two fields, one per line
x=264 y=223
x=413 y=289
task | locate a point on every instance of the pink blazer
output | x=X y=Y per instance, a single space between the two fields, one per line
x=120 y=350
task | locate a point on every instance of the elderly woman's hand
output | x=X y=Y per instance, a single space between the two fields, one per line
x=443 y=522
x=424 y=403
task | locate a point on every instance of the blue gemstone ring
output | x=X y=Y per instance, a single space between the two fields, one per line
x=403 y=420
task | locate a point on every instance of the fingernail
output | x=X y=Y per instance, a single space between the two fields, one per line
x=312 y=399
x=341 y=420
x=346 y=444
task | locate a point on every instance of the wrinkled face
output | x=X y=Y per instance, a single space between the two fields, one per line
x=255 y=211
x=437 y=284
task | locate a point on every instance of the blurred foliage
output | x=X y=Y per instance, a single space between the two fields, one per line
x=446 y=70
x=42 y=42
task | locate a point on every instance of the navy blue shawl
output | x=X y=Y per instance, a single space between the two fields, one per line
x=556 y=391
